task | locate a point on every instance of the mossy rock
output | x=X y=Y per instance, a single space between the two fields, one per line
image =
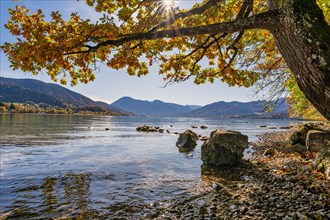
x=299 y=136
x=323 y=162
x=224 y=148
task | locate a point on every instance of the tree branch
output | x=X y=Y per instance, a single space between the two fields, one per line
x=259 y=21
x=194 y=11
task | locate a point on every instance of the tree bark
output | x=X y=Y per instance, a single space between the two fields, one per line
x=303 y=38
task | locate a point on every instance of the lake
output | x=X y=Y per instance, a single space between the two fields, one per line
x=70 y=166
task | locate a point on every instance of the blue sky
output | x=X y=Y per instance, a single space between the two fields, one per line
x=111 y=85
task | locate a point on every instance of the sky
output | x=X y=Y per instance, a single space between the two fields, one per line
x=110 y=85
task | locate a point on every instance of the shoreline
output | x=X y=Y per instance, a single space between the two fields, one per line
x=281 y=184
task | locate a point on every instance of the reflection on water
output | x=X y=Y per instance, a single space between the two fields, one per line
x=68 y=166
x=53 y=197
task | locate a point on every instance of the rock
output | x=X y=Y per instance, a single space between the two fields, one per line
x=299 y=136
x=187 y=141
x=107 y=129
x=323 y=162
x=224 y=148
x=161 y=130
x=271 y=199
x=316 y=141
x=203 y=127
x=203 y=210
x=203 y=138
x=146 y=128
x=193 y=126
x=285 y=127
x=287 y=218
x=213 y=209
x=299 y=148
x=296 y=138
x=243 y=210
x=306 y=168
x=272 y=127
x=270 y=152
x=262 y=126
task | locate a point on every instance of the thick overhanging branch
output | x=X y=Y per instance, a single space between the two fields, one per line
x=194 y=11
x=259 y=21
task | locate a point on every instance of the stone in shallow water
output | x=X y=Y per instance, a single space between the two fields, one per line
x=187 y=141
x=224 y=148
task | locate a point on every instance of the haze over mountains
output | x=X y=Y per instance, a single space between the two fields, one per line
x=30 y=90
x=152 y=108
x=236 y=109
x=217 y=109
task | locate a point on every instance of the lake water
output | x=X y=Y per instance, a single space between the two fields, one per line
x=69 y=166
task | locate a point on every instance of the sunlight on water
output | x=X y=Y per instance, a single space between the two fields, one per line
x=55 y=166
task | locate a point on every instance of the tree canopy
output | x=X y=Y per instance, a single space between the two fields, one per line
x=230 y=40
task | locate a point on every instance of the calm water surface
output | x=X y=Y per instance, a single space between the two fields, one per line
x=57 y=166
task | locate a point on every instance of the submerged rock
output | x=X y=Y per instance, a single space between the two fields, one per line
x=203 y=127
x=187 y=141
x=224 y=148
x=316 y=141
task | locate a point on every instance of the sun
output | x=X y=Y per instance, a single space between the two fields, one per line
x=168 y=4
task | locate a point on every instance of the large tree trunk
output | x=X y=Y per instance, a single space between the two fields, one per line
x=303 y=38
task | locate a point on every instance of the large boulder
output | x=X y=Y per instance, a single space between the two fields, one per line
x=187 y=141
x=316 y=141
x=323 y=162
x=224 y=148
x=299 y=136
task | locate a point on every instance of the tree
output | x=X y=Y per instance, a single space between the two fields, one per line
x=299 y=106
x=244 y=41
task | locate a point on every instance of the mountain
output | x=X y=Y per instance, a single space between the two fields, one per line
x=152 y=108
x=48 y=94
x=30 y=90
x=112 y=108
x=239 y=109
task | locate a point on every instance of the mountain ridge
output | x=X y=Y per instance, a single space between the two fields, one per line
x=240 y=109
x=31 y=90
x=216 y=109
x=151 y=108
x=36 y=91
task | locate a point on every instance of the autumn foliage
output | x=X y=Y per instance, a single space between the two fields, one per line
x=134 y=35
